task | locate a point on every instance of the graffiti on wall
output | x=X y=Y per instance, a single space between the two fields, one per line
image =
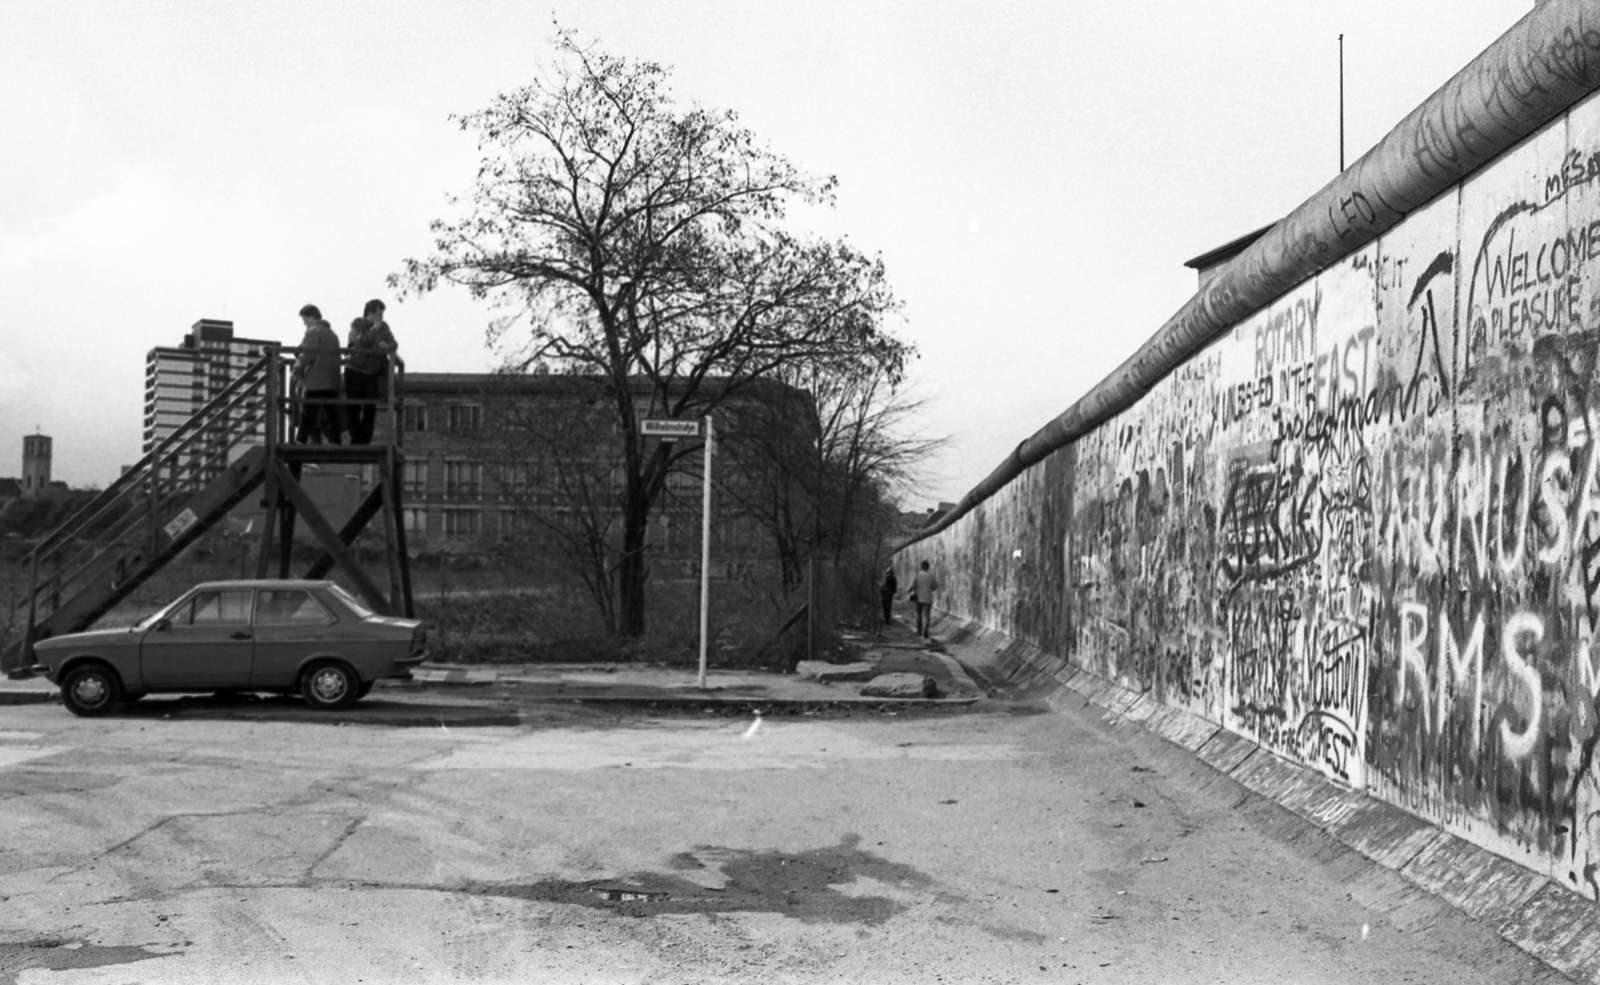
x=1363 y=527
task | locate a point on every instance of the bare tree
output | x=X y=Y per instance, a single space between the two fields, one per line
x=832 y=497
x=631 y=238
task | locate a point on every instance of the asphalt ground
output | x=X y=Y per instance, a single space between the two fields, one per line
x=978 y=686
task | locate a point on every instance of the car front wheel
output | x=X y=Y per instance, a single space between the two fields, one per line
x=330 y=686
x=90 y=690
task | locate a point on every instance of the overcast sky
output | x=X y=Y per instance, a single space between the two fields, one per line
x=1034 y=174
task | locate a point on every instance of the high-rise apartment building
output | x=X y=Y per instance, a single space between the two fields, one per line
x=180 y=380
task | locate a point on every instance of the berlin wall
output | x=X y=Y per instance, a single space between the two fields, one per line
x=1361 y=524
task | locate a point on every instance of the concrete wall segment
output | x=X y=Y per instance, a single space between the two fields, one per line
x=1359 y=528
x=1479 y=882
x=1542 y=65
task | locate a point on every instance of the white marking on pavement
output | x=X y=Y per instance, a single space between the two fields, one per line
x=782 y=746
x=12 y=755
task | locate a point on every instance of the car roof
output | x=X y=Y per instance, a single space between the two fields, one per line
x=265 y=583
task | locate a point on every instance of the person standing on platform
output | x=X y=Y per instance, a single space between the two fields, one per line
x=316 y=372
x=923 y=585
x=366 y=371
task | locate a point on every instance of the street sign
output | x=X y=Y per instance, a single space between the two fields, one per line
x=671 y=429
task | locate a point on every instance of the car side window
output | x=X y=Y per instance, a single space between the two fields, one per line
x=227 y=608
x=280 y=607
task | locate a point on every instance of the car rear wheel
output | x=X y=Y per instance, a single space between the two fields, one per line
x=330 y=686
x=90 y=690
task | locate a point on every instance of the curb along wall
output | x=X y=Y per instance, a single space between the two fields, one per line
x=1360 y=526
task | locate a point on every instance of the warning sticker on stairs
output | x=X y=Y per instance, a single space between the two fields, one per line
x=183 y=521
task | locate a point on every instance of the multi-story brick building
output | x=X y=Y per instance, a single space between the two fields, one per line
x=495 y=460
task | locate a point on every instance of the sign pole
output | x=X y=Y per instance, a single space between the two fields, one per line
x=705 y=553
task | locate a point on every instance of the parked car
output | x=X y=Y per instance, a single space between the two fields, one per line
x=277 y=636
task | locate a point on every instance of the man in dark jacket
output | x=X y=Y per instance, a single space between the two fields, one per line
x=316 y=372
x=367 y=370
x=886 y=593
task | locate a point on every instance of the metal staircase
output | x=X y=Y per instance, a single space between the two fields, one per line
x=236 y=445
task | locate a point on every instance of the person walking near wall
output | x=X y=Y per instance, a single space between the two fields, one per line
x=923 y=585
x=366 y=372
x=886 y=592
x=316 y=371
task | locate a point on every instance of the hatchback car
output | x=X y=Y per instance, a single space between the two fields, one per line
x=276 y=636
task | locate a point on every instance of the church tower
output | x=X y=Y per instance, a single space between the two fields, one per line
x=35 y=465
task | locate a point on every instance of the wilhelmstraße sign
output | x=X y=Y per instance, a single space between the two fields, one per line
x=671 y=429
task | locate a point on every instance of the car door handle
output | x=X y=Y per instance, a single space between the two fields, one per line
x=240 y=635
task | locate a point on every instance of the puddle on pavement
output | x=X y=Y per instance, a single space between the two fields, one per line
x=51 y=954
x=810 y=886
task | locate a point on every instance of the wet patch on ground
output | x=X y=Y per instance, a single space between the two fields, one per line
x=58 y=954
x=808 y=886
x=372 y=711
x=33 y=782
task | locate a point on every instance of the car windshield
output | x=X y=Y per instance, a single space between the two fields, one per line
x=355 y=604
x=149 y=621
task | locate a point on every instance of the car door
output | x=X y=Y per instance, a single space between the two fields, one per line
x=204 y=644
x=290 y=625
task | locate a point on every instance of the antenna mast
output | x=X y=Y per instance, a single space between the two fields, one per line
x=1341 y=104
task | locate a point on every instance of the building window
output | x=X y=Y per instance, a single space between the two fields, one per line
x=462 y=480
x=415 y=520
x=460 y=523
x=683 y=482
x=416 y=417
x=465 y=418
x=414 y=479
x=519 y=481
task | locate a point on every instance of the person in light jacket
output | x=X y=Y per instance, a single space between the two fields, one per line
x=923 y=585
x=316 y=372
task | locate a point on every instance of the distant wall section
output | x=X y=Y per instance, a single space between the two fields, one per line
x=1362 y=527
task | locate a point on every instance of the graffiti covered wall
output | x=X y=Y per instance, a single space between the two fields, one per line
x=1362 y=527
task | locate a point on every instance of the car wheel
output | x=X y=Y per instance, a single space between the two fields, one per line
x=90 y=690
x=329 y=686
x=365 y=689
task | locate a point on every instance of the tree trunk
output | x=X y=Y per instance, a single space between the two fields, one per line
x=631 y=570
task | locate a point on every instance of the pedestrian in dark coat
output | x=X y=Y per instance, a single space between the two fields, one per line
x=366 y=371
x=886 y=593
